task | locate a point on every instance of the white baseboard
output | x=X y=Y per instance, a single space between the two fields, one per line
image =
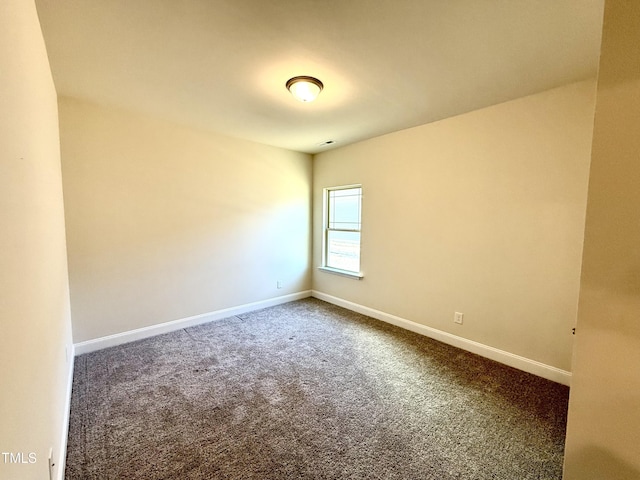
x=153 y=330
x=525 y=364
x=62 y=454
x=510 y=359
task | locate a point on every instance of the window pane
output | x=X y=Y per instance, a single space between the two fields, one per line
x=343 y=250
x=344 y=209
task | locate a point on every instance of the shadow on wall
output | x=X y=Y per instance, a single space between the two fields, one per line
x=598 y=464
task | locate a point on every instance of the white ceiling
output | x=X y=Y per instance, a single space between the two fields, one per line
x=221 y=65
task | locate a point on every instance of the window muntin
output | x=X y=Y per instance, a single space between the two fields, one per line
x=342 y=228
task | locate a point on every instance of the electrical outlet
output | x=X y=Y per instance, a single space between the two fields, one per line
x=458 y=317
x=279 y=284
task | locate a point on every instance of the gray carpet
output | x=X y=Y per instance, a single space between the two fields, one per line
x=309 y=390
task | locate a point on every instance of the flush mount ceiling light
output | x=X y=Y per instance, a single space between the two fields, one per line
x=305 y=89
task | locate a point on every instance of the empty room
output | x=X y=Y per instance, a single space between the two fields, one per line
x=356 y=239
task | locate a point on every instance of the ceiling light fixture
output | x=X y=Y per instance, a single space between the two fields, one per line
x=304 y=88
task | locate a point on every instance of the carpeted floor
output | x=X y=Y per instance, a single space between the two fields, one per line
x=311 y=391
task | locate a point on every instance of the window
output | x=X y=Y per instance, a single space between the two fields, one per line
x=341 y=245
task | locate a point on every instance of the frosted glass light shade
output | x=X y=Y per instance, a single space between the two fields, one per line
x=305 y=89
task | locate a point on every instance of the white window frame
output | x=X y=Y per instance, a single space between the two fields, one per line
x=325 y=232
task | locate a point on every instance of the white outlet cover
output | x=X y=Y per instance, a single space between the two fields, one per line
x=458 y=317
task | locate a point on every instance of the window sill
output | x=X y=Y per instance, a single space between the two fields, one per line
x=344 y=273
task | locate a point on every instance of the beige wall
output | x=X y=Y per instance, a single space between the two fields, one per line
x=34 y=292
x=482 y=214
x=164 y=222
x=603 y=436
